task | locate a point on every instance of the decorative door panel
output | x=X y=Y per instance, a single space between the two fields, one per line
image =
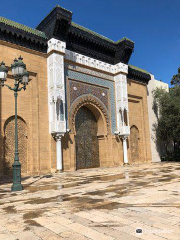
x=9 y=145
x=134 y=140
x=87 y=147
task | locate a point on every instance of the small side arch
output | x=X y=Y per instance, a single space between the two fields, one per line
x=134 y=144
x=9 y=142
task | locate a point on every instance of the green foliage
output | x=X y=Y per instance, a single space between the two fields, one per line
x=166 y=106
x=176 y=79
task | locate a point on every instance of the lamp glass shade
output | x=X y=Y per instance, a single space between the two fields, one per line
x=25 y=78
x=19 y=70
x=3 y=75
x=13 y=67
x=18 y=67
x=13 y=71
x=3 y=72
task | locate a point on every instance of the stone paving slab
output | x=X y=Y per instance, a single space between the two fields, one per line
x=97 y=204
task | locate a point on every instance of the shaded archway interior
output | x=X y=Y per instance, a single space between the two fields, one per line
x=100 y=119
x=97 y=108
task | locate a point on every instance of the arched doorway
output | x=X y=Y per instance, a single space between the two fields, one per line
x=134 y=141
x=87 y=146
x=9 y=145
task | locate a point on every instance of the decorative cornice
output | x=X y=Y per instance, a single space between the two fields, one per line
x=22 y=38
x=86 y=43
x=58 y=24
x=114 y=70
x=57 y=13
x=96 y=64
x=22 y=27
x=55 y=45
x=138 y=75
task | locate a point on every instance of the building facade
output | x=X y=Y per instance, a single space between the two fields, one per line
x=84 y=107
x=157 y=149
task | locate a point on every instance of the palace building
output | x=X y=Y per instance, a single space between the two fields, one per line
x=85 y=105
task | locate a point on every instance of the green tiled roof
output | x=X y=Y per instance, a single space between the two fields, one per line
x=138 y=69
x=22 y=27
x=97 y=34
x=124 y=38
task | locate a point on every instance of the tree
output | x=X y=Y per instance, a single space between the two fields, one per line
x=176 y=79
x=166 y=106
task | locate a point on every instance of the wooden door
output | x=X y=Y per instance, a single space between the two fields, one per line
x=87 y=147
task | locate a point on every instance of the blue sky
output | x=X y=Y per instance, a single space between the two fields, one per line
x=152 y=24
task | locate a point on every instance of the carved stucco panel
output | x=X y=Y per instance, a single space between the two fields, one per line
x=56 y=82
x=9 y=145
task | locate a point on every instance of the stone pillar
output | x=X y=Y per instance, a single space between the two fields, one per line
x=122 y=131
x=121 y=94
x=125 y=155
x=56 y=83
x=58 y=138
x=56 y=94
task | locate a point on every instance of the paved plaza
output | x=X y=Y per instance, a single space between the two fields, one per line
x=98 y=204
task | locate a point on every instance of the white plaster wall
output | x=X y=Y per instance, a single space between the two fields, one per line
x=156 y=148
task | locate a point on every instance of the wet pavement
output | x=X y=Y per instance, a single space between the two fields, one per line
x=98 y=204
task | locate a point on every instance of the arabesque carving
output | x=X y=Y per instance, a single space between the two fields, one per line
x=9 y=131
x=84 y=100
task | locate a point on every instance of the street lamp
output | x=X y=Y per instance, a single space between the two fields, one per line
x=21 y=76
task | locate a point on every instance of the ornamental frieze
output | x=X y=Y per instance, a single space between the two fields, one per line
x=89 y=71
x=77 y=89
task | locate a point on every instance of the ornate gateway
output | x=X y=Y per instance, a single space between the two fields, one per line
x=87 y=147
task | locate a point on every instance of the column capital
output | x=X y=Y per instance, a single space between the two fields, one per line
x=124 y=138
x=121 y=68
x=57 y=136
x=56 y=45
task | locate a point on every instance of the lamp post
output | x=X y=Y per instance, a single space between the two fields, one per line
x=21 y=76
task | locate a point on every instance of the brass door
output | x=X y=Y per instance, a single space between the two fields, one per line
x=134 y=141
x=87 y=147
